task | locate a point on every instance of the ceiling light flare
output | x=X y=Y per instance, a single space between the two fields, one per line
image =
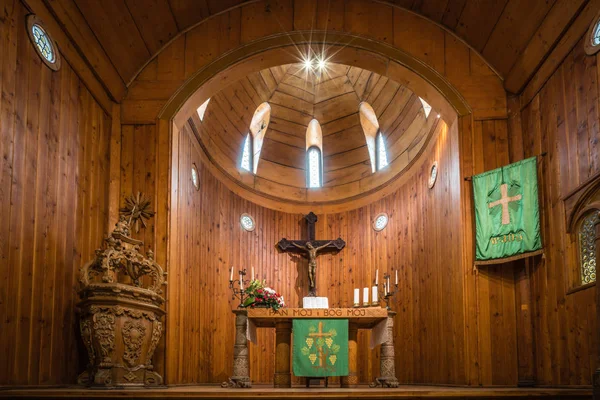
x=308 y=63
x=322 y=64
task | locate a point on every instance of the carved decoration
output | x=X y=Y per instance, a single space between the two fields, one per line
x=133 y=336
x=120 y=323
x=387 y=360
x=104 y=327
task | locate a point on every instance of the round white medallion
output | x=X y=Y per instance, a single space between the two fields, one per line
x=195 y=180
x=433 y=173
x=380 y=221
x=247 y=222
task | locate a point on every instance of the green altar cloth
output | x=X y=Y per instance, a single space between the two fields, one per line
x=320 y=347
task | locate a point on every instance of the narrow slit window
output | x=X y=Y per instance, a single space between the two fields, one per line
x=247 y=154
x=202 y=109
x=426 y=107
x=314 y=155
x=382 y=160
x=314 y=167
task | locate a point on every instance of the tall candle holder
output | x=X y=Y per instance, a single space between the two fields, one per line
x=386 y=294
x=240 y=291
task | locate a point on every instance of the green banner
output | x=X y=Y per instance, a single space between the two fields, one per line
x=507 y=214
x=320 y=347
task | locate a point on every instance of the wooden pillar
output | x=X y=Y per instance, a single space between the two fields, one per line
x=241 y=363
x=596 y=381
x=283 y=337
x=525 y=341
x=387 y=359
x=352 y=379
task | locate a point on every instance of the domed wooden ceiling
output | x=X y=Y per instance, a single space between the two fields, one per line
x=333 y=100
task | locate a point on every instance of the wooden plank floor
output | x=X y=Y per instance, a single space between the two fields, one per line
x=268 y=392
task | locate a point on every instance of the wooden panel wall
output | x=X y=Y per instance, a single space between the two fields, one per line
x=53 y=205
x=422 y=242
x=562 y=120
x=489 y=291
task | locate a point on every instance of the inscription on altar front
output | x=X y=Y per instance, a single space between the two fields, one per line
x=318 y=312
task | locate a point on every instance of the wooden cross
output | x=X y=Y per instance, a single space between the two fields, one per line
x=320 y=334
x=504 y=201
x=309 y=249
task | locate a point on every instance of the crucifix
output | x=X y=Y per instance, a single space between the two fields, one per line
x=504 y=201
x=309 y=249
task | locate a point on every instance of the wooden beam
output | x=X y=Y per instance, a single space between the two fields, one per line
x=573 y=34
x=555 y=23
x=71 y=54
x=114 y=184
x=74 y=24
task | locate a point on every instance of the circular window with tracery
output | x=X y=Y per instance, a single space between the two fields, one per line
x=380 y=222
x=247 y=222
x=43 y=43
x=592 y=43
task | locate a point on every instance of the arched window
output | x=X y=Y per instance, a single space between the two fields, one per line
x=587 y=247
x=373 y=137
x=314 y=155
x=254 y=139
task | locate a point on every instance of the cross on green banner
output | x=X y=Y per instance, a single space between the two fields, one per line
x=320 y=347
x=507 y=215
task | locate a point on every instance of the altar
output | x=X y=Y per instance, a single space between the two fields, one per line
x=358 y=318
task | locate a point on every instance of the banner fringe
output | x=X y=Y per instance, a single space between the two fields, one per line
x=509 y=259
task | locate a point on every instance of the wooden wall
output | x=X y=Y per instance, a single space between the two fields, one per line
x=54 y=142
x=562 y=120
x=422 y=241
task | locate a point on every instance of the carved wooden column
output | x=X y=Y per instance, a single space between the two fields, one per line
x=283 y=337
x=596 y=383
x=387 y=357
x=352 y=379
x=241 y=363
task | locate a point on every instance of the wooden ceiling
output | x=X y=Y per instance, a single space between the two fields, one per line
x=295 y=99
x=513 y=35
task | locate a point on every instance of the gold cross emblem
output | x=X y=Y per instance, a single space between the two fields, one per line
x=504 y=201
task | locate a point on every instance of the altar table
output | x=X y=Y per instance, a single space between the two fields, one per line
x=281 y=320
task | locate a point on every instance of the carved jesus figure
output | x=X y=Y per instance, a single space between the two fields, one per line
x=310 y=252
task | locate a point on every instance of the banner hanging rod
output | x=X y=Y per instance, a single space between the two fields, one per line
x=544 y=154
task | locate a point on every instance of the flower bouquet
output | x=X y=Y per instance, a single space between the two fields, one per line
x=260 y=295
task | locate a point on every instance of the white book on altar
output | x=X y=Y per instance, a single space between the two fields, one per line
x=315 y=302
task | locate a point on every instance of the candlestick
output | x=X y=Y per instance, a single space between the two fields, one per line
x=366 y=297
x=241 y=282
x=356 y=297
x=238 y=291
x=377 y=276
x=374 y=299
x=231 y=275
x=396 y=277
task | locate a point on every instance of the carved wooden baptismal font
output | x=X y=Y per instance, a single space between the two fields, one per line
x=119 y=311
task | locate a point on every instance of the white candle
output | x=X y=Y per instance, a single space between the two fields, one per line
x=231 y=275
x=384 y=290
x=357 y=296
x=252 y=273
x=388 y=284
x=377 y=276
x=241 y=282
x=374 y=294
x=396 y=277
x=366 y=295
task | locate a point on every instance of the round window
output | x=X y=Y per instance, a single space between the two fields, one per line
x=592 y=43
x=44 y=45
x=195 y=180
x=247 y=222
x=380 y=222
